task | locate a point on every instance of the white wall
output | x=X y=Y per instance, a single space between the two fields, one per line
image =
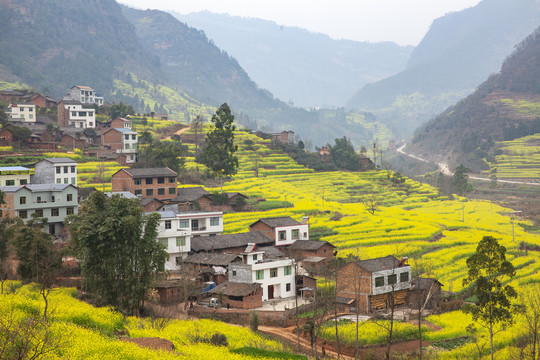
x=279 y=282
x=303 y=234
x=388 y=288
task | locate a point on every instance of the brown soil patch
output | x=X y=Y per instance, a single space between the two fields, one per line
x=152 y=343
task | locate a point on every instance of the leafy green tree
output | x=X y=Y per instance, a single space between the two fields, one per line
x=39 y=259
x=219 y=148
x=121 y=110
x=460 y=180
x=117 y=248
x=164 y=153
x=20 y=133
x=487 y=267
x=343 y=154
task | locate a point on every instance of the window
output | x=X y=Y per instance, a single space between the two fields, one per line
x=73 y=113
x=195 y=225
x=58 y=170
x=23 y=214
x=172 y=191
x=10 y=182
x=282 y=235
x=172 y=180
x=138 y=192
x=39 y=213
x=23 y=181
x=214 y=221
x=164 y=242
x=379 y=281
x=167 y=224
x=149 y=192
x=234 y=273
x=69 y=197
x=59 y=181
x=161 y=180
x=39 y=200
x=52 y=199
x=133 y=137
x=70 y=211
x=392 y=279
x=181 y=241
x=137 y=181
x=73 y=180
x=126 y=146
x=31 y=116
x=22 y=200
x=52 y=229
x=66 y=180
x=288 y=287
x=55 y=212
x=82 y=113
x=126 y=137
x=259 y=274
x=73 y=169
x=149 y=181
x=178 y=260
x=295 y=234
x=184 y=223
x=404 y=277
x=305 y=235
x=66 y=169
x=273 y=272
x=161 y=191
x=287 y=270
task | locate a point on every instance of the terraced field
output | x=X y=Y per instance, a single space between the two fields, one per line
x=520 y=159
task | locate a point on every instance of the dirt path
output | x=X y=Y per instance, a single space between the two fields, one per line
x=179 y=132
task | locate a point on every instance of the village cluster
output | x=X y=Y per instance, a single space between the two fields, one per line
x=273 y=260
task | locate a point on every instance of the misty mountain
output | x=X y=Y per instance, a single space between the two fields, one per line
x=459 y=51
x=296 y=65
x=504 y=107
x=55 y=44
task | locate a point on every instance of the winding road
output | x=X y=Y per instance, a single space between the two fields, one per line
x=446 y=170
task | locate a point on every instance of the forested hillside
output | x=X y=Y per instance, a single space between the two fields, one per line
x=297 y=65
x=505 y=107
x=459 y=52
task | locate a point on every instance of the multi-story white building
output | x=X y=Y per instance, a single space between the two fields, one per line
x=122 y=141
x=22 y=112
x=75 y=115
x=14 y=175
x=51 y=201
x=276 y=276
x=177 y=229
x=55 y=171
x=83 y=94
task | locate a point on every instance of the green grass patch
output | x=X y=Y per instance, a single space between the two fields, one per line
x=255 y=352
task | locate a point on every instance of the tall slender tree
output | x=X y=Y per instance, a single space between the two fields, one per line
x=487 y=267
x=219 y=148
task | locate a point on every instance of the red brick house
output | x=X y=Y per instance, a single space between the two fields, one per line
x=239 y=295
x=6 y=137
x=306 y=248
x=284 y=137
x=197 y=198
x=40 y=100
x=159 y=183
x=371 y=284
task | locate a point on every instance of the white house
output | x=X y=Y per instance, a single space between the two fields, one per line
x=276 y=276
x=74 y=114
x=22 y=112
x=284 y=230
x=177 y=229
x=83 y=94
x=55 y=171
x=14 y=175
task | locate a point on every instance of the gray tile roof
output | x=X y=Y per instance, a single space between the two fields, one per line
x=124 y=130
x=125 y=194
x=60 y=160
x=212 y=259
x=220 y=242
x=424 y=283
x=308 y=245
x=230 y=288
x=277 y=221
x=384 y=263
x=190 y=194
x=150 y=172
x=36 y=187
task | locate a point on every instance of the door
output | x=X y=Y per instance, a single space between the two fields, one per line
x=270 y=292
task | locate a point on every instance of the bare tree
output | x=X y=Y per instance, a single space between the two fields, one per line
x=371 y=201
x=530 y=308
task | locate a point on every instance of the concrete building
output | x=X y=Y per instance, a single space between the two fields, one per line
x=55 y=171
x=51 y=201
x=176 y=231
x=284 y=230
x=121 y=141
x=276 y=276
x=23 y=112
x=83 y=94
x=74 y=114
x=159 y=183
x=14 y=175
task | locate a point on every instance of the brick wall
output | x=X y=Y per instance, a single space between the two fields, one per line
x=267 y=230
x=355 y=283
x=122 y=181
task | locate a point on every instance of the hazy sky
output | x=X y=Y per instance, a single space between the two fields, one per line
x=402 y=21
